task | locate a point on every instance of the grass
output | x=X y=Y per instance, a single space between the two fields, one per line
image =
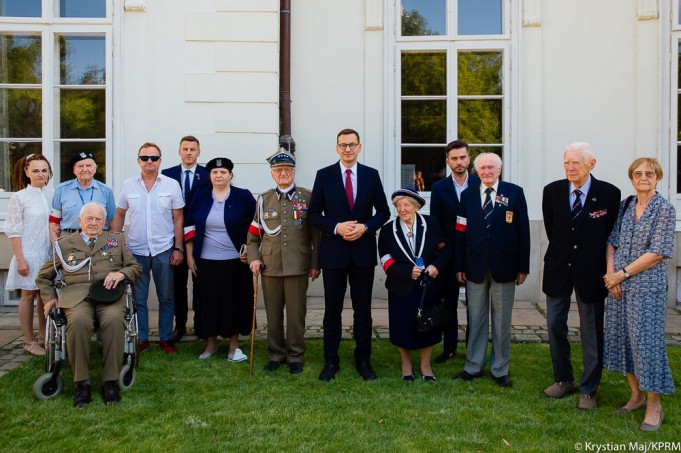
x=182 y=404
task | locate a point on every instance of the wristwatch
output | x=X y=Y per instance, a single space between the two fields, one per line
x=179 y=249
x=626 y=274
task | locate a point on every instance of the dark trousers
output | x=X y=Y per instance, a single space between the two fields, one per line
x=361 y=285
x=591 y=334
x=448 y=289
x=180 y=291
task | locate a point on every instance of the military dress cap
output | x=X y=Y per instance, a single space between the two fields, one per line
x=82 y=155
x=220 y=162
x=99 y=294
x=281 y=157
x=410 y=193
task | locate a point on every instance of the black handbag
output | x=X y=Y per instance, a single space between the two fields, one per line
x=432 y=317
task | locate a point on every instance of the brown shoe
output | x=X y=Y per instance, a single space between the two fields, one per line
x=587 y=402
x=560 y=389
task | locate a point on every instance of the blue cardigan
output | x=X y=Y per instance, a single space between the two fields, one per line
x=239 y=213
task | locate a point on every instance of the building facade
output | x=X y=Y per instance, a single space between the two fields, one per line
x=522 y=78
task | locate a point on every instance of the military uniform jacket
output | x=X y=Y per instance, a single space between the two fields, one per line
x=281 y=235
x=110 y=254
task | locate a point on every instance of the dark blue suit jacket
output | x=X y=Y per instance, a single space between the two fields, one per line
x=575 y=256
x=504 y=248
x=444 y=204
x=329 y=206
x=201 y=177
x=239 y=212
x=396 y=262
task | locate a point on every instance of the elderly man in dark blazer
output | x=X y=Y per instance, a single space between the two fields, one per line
x=190 y=175
x=492 y=256
x=348 y=206
x=85 y=257
x=444 y=205
x=579 y=214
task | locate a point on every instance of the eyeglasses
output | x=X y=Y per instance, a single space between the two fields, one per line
x=146 y=158
x=344 y=146
x=286 y=171
x=648 y=174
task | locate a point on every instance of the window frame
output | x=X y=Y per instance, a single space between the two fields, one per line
x=48 y=27
x=451 y=44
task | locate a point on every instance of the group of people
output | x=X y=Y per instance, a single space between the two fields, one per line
x=191 y=221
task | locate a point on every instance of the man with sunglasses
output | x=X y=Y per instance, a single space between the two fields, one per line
x=155 y=231
x=348 y=206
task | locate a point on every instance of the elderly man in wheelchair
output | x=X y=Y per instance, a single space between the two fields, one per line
x=91 y=265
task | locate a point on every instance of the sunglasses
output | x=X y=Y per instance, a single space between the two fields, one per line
x=146 y=158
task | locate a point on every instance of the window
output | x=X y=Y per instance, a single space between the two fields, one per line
x=54 y=83
x=451 y=81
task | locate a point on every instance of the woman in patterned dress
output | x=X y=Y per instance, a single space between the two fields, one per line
x=28 y=230
x=638 y=249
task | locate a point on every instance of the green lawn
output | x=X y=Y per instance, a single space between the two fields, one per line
x=181 y=404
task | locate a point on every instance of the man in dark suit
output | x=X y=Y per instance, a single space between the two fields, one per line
x=190 y=175
x=344 y=197
x=492 y=257
x=444 y=205
x=579 y=213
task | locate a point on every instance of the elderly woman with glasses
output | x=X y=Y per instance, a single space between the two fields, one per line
x=638 y=249
x=215 y=231
x=411 y=246
x=28 y=230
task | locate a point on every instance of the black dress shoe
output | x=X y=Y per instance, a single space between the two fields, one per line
x=409 y=378
x=442 y=358
x=466 y=376
x=503 y=381
x=82 y=395
x=329 y=371
x=272 y=365
x=364 y=369
x=296 y=368
x=111 y=393
x=178 y=334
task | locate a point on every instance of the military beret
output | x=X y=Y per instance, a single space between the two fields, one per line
x=410 y=193
x=77 y=157
x=220 y=162
x=98 y=294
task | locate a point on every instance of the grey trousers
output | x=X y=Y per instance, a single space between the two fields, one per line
x=483 y=298
x=591 y=334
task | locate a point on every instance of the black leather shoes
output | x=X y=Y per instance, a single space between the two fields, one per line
x=272 y=365
x=82 y=395
x=408 y=378
x=296 y=368
x=442 y=358
x=503 y=381
x=364 y=369
x=466 y=376
x=178 y=334
x=111 y=393
x=329 y=371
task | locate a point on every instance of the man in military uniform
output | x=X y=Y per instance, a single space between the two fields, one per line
x=283 y=246
x=86 y=257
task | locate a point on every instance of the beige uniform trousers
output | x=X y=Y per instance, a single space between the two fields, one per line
x=289 y=292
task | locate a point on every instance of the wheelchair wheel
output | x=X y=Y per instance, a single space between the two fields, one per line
x=45 y=387
x=127 y=377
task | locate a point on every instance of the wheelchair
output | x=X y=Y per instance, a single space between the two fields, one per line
x=51 y=383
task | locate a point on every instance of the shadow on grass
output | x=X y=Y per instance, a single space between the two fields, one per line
x=179 y=403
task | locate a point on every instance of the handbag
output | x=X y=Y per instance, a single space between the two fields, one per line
x=432 y=317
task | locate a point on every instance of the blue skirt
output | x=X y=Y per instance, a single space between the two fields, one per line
x=402 y=318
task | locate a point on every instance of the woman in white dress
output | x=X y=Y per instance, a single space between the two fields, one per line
x=27 y=226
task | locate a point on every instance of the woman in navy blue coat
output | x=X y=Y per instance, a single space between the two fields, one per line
x=409 y=246
x=215 y=230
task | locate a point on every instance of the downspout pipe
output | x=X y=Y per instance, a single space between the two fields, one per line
x=285 y=138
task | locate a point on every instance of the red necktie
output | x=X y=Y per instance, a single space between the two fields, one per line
x=348 y=189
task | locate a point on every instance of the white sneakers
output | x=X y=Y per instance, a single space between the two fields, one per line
x=238 y=356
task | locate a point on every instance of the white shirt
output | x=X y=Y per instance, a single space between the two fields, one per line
x=460 y=188
x=493 y=195
x=151 y=229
